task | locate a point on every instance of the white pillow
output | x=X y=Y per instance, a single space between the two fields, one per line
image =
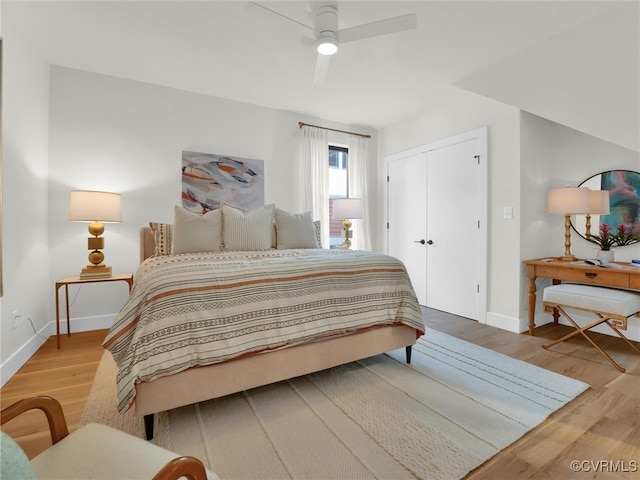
x=196 y=233
x=243 y=231
x=295 y=230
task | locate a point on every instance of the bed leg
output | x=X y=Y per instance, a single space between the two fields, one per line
x=148 y=425
x=408 y=351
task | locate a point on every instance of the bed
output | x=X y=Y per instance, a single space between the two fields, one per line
x=199 y=326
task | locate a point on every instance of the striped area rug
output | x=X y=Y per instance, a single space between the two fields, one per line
x=448 y=412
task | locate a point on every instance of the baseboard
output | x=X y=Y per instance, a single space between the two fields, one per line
x=12 y=364
x=505 y=323
x=86 y=324
x=522 y=325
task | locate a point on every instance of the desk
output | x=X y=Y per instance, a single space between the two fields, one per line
x=66 y=281
x=576 y=272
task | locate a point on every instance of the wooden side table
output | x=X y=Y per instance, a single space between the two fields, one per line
x=66 y=281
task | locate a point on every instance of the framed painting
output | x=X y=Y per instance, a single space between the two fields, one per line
x=210 y=179
x=624 y=201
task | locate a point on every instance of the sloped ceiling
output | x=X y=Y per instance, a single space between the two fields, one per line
x=587 y=77
x=572 y=62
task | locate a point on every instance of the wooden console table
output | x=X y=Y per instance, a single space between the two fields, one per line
x=576 y=272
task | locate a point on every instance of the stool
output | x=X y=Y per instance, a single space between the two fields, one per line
x=611 y=306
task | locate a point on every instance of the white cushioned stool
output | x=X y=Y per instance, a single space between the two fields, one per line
x=611 y=306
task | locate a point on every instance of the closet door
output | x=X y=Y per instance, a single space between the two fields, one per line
x=453 y=226
x=437 y=221
x=407 y=218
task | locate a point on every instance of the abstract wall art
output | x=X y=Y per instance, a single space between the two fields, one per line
x=209 y=179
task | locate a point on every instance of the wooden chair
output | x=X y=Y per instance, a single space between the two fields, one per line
x=612 y=307
x=97 y=451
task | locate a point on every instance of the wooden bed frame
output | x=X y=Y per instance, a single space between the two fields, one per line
x=205 y=383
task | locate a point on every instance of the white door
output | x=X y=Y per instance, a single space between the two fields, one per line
x=407 y=218
x=438 y=193
x=453 y=229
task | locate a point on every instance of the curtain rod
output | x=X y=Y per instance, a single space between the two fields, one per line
x=302 y=124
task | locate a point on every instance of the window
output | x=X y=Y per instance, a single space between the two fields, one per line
x=338 y=187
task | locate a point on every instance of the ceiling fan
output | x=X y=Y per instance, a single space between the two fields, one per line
x=324 y=30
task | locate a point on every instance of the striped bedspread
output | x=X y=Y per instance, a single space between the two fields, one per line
x=200 y=309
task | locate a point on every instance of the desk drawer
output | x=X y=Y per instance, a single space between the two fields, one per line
x=546 y=271
x=597 y=277
x=634 y=281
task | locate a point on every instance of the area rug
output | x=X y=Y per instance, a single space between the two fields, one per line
x=452 y=409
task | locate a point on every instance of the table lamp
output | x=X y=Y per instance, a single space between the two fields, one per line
x=346 y=209
x=598 y=205
x=96 y=208
x=568 y=201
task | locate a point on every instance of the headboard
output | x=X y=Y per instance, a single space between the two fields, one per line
x=147 y=244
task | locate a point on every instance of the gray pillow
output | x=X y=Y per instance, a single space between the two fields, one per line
x=295 y=230
x=196 y=233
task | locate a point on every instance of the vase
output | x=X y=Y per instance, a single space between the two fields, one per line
x=606 y=255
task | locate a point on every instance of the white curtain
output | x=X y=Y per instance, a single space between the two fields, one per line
x=358 y=188
x=314 y=177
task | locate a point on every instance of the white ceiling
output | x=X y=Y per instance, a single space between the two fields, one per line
x=218 y=48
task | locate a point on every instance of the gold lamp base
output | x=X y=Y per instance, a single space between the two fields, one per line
x=346 y=228
x=96 y=271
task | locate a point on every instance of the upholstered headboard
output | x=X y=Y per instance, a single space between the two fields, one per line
x=147 y=245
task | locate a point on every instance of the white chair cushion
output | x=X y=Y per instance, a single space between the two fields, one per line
x=600 y=299
x=99 y=452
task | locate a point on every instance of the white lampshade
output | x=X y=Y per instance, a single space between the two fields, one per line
x=90 y=206
x=568 y=200
x=344 y=208
x=599 y=202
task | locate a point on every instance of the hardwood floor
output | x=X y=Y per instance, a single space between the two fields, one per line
x=602 y=425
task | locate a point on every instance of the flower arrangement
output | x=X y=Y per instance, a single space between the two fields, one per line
x=605 y=240
x=626 y=236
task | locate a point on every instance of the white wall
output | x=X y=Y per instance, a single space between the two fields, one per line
x=527 y=156
x=468 y=112
x=124 y=136
x=25 y=225
x=553 y=155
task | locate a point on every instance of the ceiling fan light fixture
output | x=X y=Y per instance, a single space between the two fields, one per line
x=327 y=45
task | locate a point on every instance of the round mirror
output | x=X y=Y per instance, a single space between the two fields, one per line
x=624 y=202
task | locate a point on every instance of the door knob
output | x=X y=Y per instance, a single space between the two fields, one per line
x=429 y=242
x=420 y=241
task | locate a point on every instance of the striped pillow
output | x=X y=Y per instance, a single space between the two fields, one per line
x=162 y=237
x=243 y=231
x=318 y=229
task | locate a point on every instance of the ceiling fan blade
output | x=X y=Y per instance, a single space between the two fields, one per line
x=279 y=18
x=381 y=27
x=322 y=68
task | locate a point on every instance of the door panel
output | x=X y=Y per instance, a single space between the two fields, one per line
x=406 y=214
x=452 y=225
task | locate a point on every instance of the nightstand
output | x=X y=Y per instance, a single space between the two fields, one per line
x=66 y=281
